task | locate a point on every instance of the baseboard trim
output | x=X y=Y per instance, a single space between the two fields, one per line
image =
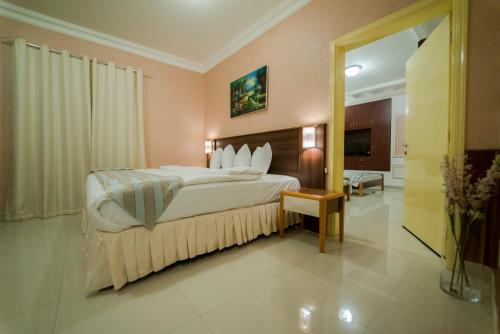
x=394 y=187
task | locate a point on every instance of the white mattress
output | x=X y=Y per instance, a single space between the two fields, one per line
x=193 y=200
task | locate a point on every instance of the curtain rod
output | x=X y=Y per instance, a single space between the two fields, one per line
x=10 y=41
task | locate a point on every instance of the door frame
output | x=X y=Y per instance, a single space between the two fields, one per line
x=408 y=17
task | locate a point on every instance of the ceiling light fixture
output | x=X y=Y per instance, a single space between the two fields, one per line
x=353 y=70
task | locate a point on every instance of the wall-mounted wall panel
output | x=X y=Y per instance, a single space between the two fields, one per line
x=374 y=118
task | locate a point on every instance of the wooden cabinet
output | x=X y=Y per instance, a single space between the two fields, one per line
x=360 y=117
x=356 y=163
x=375 y=116
x=348 y=121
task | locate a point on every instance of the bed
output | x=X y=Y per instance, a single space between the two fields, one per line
x=347 y=189
x=193 y=199
x=361 y=180
x=200 y=219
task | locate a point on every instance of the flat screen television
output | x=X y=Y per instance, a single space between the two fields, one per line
x=358 y=142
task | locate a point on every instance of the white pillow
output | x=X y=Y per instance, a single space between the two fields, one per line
x=216 y=160
x=257 y=157
x=228 y=156
x=243 y=157
x=269 y=157
x=261 y=158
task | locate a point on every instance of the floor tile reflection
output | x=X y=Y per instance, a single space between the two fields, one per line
x=379 y=280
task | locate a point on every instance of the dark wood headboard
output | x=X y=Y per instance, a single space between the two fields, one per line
x=289 y=158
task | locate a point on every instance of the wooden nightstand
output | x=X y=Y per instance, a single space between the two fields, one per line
x=313 y=202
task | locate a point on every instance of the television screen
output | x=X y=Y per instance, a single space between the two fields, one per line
x=358 y=142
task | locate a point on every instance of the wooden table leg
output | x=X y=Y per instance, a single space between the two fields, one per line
x=281 y=223
x=341 y=218
x=322 y=225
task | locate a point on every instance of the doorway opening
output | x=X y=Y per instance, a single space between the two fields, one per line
x=408 y=17
x=375 y=142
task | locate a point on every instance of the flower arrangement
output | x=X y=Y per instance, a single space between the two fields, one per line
x=465 y=200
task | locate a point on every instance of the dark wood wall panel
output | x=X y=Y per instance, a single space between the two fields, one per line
x=486 y=249
x=289 y=158
x=312 y=161
x=376 y=116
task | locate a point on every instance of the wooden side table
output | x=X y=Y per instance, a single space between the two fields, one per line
x=313 y=202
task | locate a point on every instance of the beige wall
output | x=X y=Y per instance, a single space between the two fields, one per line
x=183 y=107
x=173 y=101
x=483 y=106
x=297 y=52
x=173 y=98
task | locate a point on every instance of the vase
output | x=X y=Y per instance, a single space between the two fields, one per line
x=462 y=271
x=466 y=285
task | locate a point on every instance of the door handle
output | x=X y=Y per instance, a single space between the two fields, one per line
x=405 y=145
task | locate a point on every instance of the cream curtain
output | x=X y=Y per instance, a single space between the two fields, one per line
x=6 y=80
x=51 y=133
x=117 y=118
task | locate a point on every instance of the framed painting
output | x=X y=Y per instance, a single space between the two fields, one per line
x=249 y=93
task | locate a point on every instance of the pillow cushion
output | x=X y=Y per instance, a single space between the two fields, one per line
x=216 y=160
x=243 y=157
x=257 y=157
x=228 y=156
x=269 y=157
x=261 y=158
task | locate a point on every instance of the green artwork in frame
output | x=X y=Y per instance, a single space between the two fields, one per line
x=249 y=93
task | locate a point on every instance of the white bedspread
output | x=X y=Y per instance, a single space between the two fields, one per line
x=204 y=191
x=192 y=176
x=187 y=170
x=356 y=177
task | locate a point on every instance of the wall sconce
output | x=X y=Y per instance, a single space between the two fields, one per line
x=309 y=137
x=209 y=146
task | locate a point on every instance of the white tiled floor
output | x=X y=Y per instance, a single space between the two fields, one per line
x=380 y=280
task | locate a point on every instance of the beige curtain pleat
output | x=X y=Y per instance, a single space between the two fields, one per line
x=51 y=133
x=117 y=117
x=6 y=97
x=140 y=147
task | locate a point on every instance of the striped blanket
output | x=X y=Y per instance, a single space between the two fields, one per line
x=143 y=195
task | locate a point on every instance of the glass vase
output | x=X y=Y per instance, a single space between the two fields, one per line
x=467 y=283
x=462 y=272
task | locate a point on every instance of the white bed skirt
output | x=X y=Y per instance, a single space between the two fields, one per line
x=113 y=259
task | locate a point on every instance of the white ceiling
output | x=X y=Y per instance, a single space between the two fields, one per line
x=197 y=32
x=384 y=63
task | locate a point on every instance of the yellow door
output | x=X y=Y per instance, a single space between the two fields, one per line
x=427 y=88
